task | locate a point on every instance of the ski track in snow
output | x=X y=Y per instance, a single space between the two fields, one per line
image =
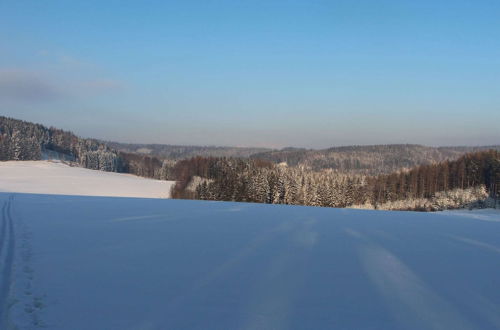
x=7 y=246
x=18 y=304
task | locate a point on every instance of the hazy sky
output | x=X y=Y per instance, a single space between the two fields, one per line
x=262 y=73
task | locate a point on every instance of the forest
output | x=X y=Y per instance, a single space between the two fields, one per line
x=21 y=140
x=398 y=177
x=473 y=180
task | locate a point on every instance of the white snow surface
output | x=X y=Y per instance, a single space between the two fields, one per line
x=48 y=177
x=77 y=262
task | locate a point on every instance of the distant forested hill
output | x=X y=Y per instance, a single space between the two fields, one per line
x=176 y=152
x=369 y=160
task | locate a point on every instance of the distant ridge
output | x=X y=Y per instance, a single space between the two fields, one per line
x=370 y=159
x=182 y=152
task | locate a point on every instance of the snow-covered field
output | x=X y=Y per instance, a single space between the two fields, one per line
x=74 y=262
x=45 y=177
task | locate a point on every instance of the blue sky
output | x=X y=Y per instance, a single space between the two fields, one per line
x=256 y=73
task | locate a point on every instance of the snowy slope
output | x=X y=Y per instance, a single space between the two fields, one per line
x=44 y=177
x=72 y=262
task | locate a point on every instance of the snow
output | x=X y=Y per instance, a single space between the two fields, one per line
x=76 y=262
x=481 y=214
x=46 y=177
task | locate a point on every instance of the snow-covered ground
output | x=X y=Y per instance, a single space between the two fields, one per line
x=45 y=177
x=73 y=262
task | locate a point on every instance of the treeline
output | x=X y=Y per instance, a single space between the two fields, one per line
x=21 y=140
x=254 y=180
x=470 y=170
